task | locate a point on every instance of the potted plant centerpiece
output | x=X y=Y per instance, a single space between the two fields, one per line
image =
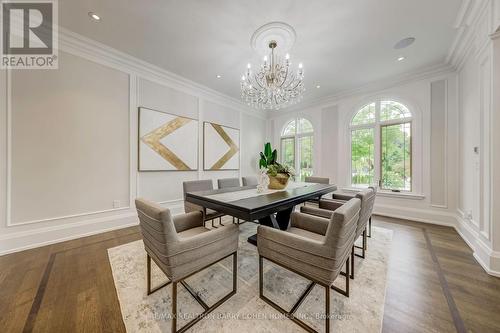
x=279 y=174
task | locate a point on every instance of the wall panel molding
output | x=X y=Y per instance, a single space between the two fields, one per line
x=439 y=143
x=132 y=187
x=485 y=108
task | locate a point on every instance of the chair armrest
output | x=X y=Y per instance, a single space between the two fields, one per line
x=330 y=204
x=344 y=197
x=324 y=213
x=188 y=221
x=310 y=223
x=197 y=241
x=268 y=234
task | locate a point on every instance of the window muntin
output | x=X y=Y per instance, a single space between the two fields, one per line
x=305 y=126
x=297 y=145
x=396 y=157
x=288 y=151
x=363 y=157
x=381 y=153
x=290 y=128
x=390 y=110
x=306 y=162
x=366 y=115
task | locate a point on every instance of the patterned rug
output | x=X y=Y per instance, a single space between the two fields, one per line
x=246 y=312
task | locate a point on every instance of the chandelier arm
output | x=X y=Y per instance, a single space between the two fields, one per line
x=274 y=85
x=286 y=77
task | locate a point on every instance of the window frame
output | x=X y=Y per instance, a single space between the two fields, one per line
x=376 y=125
x=296 y=138
x=387 y=124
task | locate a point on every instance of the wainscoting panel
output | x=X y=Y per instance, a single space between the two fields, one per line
x=69 y=139
x=439 y=143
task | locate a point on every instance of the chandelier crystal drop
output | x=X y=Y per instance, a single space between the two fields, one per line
x=274 y=85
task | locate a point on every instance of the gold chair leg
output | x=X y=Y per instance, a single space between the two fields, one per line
x=291 y=314
x=148 y=278
x=207 y=308
x=352 y=263
x=327 y=309
x=365 y=241
x=174 y=307
x=347 y=278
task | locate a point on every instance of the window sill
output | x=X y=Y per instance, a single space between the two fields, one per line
x=404 y=195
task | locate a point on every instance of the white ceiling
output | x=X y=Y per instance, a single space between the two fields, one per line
x=342 y=43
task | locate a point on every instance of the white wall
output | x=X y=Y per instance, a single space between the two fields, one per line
x=332 y=147
x=68 y=143
x=69 y=136
x=478 y=213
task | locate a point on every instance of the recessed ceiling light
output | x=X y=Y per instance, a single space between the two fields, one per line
x=404 y=43
x=401 y=58
x=318 y=86
x=219 y=76
x=94 y=16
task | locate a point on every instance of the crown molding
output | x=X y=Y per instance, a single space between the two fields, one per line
x=467 y=23
x=77 y=44
x=416 y=75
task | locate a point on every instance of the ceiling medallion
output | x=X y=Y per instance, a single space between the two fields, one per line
x=274 y=84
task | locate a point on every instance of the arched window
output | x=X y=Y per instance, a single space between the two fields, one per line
x=381 y=146
x=297 y=136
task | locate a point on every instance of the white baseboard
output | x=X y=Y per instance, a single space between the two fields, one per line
x=486 y=267
x=484 y=255
x=37 y=237
x=416 y=214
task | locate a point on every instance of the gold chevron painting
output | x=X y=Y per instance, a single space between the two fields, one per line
x=167 y=142
x=221 y=147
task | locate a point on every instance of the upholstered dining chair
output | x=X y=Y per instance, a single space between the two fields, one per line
x=181 y=246
x=319 y=180
x=346 y=197
x=195 y=186
x=228 y=183
x=313 y=247
x=249 y=181
x=328 y=206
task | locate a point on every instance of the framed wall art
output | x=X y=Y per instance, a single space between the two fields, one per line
x=167 y=142
x=221 y=147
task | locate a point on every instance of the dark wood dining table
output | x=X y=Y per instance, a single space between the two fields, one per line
x=271 y=208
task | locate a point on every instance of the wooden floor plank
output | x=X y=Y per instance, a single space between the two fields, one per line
x=77 y=293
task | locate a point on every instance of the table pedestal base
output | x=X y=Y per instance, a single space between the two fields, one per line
x=280 y=221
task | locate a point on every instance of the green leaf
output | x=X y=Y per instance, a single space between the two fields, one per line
x=268 y=150
x=274 y=156
x=262 y=161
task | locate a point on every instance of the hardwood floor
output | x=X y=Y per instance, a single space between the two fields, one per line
x=434 y=285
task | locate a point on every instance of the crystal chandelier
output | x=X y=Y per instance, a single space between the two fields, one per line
x=275 y=85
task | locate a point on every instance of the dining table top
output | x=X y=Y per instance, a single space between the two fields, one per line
x=247 y=203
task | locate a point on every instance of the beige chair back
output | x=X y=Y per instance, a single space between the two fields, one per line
x=228 y=182
x=341 y=232
x=249 y=181
x=319 y=180
x=195 y=186
x=158 y=230
x=367 y=198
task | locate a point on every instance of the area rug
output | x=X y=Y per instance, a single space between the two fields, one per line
x=246 y=312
